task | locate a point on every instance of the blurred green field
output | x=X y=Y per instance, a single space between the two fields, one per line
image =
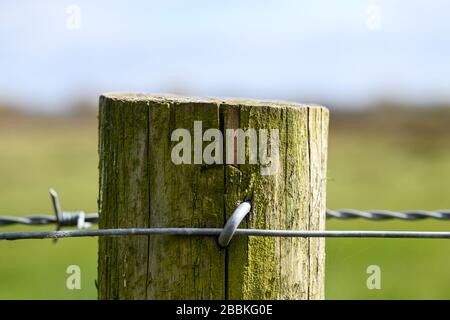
x=367 y=169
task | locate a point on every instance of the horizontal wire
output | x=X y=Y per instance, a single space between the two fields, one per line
x=217 y=231
x=443 y=214
x=71 y=218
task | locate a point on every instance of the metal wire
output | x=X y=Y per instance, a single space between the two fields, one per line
x=71 y=218
x=443 y=214
x=82 y=220
x=218 y=231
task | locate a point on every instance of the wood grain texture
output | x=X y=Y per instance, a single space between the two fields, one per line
x=140 y=186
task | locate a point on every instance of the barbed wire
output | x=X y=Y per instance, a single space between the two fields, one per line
x=72 y=218
x=443 y=214
x=83 y=220
x=69 y=219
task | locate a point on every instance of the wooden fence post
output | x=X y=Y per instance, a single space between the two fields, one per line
x=142 y=186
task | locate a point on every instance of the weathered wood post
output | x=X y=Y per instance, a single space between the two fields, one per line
x=141 y=185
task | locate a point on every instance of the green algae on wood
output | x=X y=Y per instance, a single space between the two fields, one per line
x=140 y=186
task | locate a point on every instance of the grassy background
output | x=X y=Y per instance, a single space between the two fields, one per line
x=384 y=159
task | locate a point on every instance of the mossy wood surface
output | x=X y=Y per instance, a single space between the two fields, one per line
x=140 y=186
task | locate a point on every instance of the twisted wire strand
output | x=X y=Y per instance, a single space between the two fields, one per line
x=67 y=219
x=443 y=214
x=71 y=218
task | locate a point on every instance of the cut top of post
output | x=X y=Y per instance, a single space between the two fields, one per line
x=173 y=98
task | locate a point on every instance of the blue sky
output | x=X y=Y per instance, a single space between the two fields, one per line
x=316 y=51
